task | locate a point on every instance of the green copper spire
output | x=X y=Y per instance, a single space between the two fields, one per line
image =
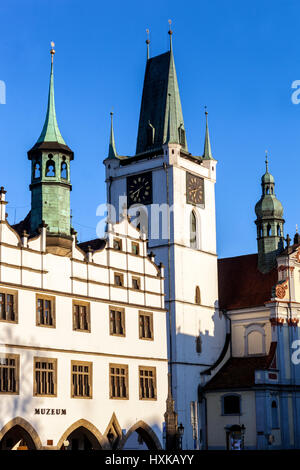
x=112 y=153
x=207 y=155
x=269 y=222
x=51 y=132
x=161 y=105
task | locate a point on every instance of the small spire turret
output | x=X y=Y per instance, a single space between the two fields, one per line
x=112 y=152
x=207 y=154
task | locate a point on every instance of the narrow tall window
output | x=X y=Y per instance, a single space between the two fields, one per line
x=193 y=230
x=44 y=376
x=118 y=380
x=81 y=379
x=45 y=311
x=134 y=248
x=117 y=244
x=119 y=280
x=64 y=171
x=146 y=325
x=117 y=321
x=37 y=170
x=136 y=283
x=81 y=316
x=50 y=168
x=275 y=424
x=8 y=306
x=9 y=373
x=197 y=296
x=269 y=230
x=147 y=387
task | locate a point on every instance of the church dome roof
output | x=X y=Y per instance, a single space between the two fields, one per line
x=269 y=206
x=267 y=178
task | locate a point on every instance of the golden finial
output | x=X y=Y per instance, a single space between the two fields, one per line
x=170 y=30
x=52 y=51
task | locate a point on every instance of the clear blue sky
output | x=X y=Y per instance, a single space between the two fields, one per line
x=237 y=57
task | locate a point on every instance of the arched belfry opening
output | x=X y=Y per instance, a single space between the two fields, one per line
x=193 y=230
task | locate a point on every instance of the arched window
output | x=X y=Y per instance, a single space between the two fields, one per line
x=271 y=189
x=231 y=405
x=37 y=170
x=278 y=230
x=197 y=296
x=274 y=412
x=50 y=167
x=267 y=190
x=64 y=170
x=268 y=230
x=193 y=230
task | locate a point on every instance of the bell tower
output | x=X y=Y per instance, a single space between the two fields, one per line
x=50 y=180
x=176 y=191
x=269 y=222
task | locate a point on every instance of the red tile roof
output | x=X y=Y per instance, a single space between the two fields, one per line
x=238 y=372
x=241 y=284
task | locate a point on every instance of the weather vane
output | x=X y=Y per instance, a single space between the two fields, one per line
x=52 y=51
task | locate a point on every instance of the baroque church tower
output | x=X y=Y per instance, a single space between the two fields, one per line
x=269 y=222
x=175 y=191
x=50 y=180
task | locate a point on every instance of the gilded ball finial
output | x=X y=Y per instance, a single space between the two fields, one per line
x=147 y=40
x=170 y=30
x=52 y=50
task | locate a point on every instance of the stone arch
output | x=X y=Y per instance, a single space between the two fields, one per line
x=27 y=427
x=113 y=432
x=83 y=423
x=146 y=432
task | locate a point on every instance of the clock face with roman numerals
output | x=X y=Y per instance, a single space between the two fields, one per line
x=139 y=189
x=194 y=189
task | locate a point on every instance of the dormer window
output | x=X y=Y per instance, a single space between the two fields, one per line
x=181 y=135
x=150 y=134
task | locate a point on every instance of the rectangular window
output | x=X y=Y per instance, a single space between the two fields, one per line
x=81 y=379
x=135 y=248
x=81 y=316
x=8 y=305
x=118 y=379
x=45 y=376
x=147 y=383
x=117 y=321
x=45 y=311
x=136 y=283
x=9 y=373
x=119 y=280
x=117 y=244
x=146 y=325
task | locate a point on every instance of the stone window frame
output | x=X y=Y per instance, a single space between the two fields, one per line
x=44 y=297
x=138 y=279
x=143 y=313
x=119 y=242
x=81 y=303
x=259 y=328
x=112 y=308
x=223 y=406
x=148 y=369
x=16 y=357
x=137 y=245
x=126 y=375
x=48 y=360
x=88 y=364
x=121 y=275
x=14 y=293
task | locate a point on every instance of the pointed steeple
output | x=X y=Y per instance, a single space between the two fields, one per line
x=51 y=132
x=207 y=155
x=161 y=105
x=112 y=152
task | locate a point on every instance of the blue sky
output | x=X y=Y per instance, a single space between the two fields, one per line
x=238 y=58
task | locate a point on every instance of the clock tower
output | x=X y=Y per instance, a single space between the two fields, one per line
x=172 y=193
